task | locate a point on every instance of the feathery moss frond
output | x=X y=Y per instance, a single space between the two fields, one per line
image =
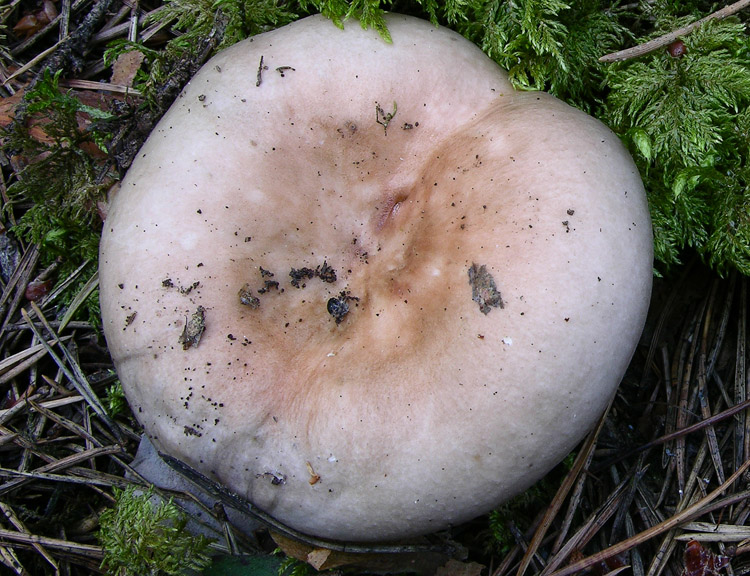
x=551 y=46
x=684 y=118
x=141 y=538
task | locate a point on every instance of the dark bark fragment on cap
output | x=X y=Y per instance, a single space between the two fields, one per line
x=191 y=335
x=483 y=289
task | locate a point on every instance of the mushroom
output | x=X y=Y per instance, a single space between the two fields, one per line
x=368 y=286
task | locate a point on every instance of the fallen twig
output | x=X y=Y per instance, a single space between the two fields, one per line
x=667 y=39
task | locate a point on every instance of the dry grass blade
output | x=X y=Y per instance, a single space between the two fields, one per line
x=742 y=422
x=702 y=388
x=32 y=540
x=61 y=464
x=32 y=63
x=11 y=515
x=108 y=87
x=14 y=290
x=589 y=528
x=708 y=532
x=581 y=463
x=81 y=297
x=74 y=373
x=21 y=361
x=723 y=415
x=80 y=478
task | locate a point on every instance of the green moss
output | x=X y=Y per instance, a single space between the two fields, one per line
x=115 y=401
x=686 y=121
x=63 y=176
x=57 y=190
x=141 y=538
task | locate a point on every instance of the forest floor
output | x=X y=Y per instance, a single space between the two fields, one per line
x=659 y=487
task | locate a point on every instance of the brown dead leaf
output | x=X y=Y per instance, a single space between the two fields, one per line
x=8 y=107
x=700 y=561
x=126 y=67
x=30 y=24
x=318 y=557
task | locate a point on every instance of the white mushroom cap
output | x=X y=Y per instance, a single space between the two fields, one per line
x=493 y=249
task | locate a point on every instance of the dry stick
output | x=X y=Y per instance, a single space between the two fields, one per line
x=70 y=547
x=66 y=58
x=64 y=20
x=667 y=39
x=112 y=32
x=698 y=509
x=26 y=44
x=582 y=460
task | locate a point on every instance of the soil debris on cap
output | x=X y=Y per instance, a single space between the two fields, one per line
x=483 y=289
x=246 y=297
x=191 y=334
x=325 y=272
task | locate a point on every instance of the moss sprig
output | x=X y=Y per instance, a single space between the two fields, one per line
x=141 y=538
x=194 y=19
